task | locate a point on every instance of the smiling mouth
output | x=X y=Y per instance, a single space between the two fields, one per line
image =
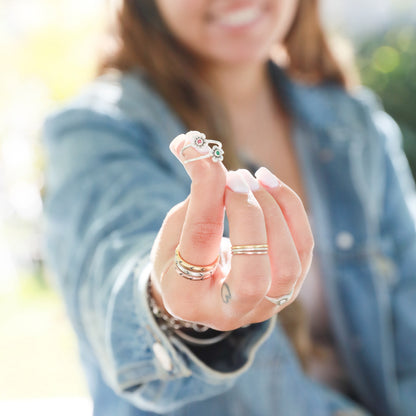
x=241 y=17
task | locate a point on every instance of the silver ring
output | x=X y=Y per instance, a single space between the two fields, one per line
x=192 y=271
x=199 y=142
x=282 y=300
x=250 y=249
x=182 y=271
x=216 y=154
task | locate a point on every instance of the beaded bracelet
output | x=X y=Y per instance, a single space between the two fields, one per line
x=182 y=328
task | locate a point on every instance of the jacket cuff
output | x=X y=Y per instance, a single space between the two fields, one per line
x=141 y=352
x=219 y=363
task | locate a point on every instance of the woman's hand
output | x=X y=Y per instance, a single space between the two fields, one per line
x=260 y=211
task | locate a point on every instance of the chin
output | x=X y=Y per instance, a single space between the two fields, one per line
x=241 y=56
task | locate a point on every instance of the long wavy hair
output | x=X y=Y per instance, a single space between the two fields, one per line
x=137 y=36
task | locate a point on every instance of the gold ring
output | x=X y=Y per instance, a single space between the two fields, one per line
x=250 y=249
x=191 y=271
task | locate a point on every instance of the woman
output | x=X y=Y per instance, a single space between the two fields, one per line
x=169 y=319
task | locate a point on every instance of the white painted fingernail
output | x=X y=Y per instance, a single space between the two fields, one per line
x=267 y=178
x=175 y=143
x=250 y=179
x=236 y=182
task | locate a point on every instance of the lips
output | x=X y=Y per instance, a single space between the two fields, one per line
x=241 y=16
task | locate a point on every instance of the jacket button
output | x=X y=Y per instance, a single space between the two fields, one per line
x=162 y=356
x=344 y=240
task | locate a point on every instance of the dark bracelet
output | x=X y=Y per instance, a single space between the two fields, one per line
x=190 y=332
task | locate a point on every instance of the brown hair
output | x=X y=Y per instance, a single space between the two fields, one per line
x=140 y=38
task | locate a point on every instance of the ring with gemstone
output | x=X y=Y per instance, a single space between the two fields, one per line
x=200 y=143
x=216 y=154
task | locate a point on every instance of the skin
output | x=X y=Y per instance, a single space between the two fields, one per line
x=197 y=24
x=234 y=60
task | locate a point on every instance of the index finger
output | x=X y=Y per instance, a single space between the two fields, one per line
x=204 y=221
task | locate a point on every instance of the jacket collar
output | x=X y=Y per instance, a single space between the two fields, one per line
x=318 y=105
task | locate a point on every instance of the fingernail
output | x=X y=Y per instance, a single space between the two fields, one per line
x=236 y=182
x=250 y=179
x=175 y=143
x=267 y=178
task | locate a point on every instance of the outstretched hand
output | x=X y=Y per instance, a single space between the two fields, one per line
x=260 y=210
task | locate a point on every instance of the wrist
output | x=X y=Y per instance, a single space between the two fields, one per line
x=161 y=314
x=190 y=332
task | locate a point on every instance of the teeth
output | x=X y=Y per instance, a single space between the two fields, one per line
x=240 y=17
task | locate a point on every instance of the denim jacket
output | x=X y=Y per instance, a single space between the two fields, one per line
x=110 y=181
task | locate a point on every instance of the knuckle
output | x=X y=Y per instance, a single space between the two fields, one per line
x=286 y=279
x=289 y=276
x=205 y=174
x=253 y=288
x=203 y=232
x=200 y=170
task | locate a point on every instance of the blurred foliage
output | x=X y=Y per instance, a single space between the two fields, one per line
x=387 y=62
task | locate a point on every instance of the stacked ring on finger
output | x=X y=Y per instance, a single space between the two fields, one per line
x=191 y=271
x=200 y=142
x=250 y=249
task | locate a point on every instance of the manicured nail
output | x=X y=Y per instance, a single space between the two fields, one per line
x=236 y=182
x=250 y=179
x=267 y=178
x=175 y=143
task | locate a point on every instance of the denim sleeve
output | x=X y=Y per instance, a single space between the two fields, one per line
x=398 y=222
x=108 y=189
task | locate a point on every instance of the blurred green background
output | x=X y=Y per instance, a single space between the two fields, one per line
x=387 y=61
x=46 y=54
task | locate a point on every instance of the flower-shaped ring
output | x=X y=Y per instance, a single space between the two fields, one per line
x=200 y=143
x=216 y=153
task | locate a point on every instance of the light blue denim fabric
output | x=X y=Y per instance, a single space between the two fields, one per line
x=111 y=179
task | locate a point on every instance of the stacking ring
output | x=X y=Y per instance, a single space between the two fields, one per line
x=199 y=142
x=250 y=249
x=191 y=271
x=282 y=300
